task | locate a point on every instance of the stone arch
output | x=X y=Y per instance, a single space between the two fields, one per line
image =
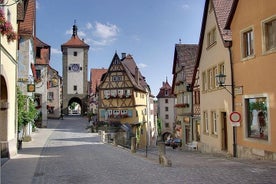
x=78 y=101
x=165 y=135
x=3 y=116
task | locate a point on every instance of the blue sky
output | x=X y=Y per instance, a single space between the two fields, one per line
x=146 y=29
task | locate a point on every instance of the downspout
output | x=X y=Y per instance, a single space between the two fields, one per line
x=229 y=45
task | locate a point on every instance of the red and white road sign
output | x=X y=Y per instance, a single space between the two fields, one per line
x=235 y=118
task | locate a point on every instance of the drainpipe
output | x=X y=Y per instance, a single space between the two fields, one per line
x=229 y=44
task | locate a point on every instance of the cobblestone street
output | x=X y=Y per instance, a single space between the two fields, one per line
x=66 y=153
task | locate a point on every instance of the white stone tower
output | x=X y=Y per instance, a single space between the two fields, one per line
x=75 y=62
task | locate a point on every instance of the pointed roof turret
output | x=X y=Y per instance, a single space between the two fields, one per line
x=75 y=41
x=75 y=29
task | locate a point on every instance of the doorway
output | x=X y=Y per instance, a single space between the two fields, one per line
x=224 y=141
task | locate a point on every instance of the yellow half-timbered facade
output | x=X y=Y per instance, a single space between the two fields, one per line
x=123 y=96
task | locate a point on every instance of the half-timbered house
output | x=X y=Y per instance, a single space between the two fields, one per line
x=123 y=98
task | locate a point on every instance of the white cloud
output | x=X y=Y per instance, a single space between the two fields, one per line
x=98 y=34
x=89 y=25
x=185 y=6
x=105 y=31
x=142 y=65
x=37 y=5
x=55 y=51
x=81 y=34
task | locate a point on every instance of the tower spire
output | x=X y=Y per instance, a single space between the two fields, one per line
x=75 y=29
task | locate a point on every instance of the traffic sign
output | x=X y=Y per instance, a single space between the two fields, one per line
x=235 y=118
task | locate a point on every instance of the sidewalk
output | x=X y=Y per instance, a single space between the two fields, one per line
x=24 y=163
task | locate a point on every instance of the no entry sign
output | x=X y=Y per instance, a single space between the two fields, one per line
x=235 y=118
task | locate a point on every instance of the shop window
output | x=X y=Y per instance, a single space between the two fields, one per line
x=257 y=117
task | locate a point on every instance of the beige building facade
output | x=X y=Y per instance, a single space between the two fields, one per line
x=253 y=27
x=8 y=80
x=215 y=101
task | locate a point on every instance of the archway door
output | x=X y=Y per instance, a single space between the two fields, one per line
x=74 y=106
x=3 y=116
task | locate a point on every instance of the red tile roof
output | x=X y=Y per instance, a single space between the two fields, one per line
x=95 y=78
x=27 y=26
x=75 y=42
x=132 y=69
x=222 y=10
x=185 y=57
x=165 y=87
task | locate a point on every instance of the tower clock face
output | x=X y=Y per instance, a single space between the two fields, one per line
x=75 y=67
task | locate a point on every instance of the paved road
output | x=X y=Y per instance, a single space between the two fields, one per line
x=65 y=153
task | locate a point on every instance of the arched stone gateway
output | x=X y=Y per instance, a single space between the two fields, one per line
x=75 y=106
x=166 y=135
x=4 y=118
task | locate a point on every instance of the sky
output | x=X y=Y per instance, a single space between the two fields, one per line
x=146 y=29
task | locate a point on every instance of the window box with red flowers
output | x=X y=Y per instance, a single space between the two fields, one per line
x=6 y=28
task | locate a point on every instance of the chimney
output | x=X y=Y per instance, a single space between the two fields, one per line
x=123 y=55
x=137 y=75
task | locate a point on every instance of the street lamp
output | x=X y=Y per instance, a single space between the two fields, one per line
x=221 y=82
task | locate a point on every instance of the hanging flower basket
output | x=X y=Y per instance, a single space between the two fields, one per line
x=6 y=28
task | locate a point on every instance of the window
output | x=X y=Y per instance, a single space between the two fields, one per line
x=204 y=81
x=256 y=117
x=211 y=36
x=205 y=122
x=50 y=95
x=167 y=125
x=38 y=74
x=221 y=70
x=166 y=93
x=196 y=97
x=269 y=30
x=75 y=53
x=75 y=87
x=166 y=108
x=166 y=116
x=212 y=77
x=38 y=52
x=116 y=78
x=247 y=43
x=214 y=123
x=166 y=101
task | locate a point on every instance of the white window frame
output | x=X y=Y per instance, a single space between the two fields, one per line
x=205 y=122
x=214 y=122
x=247 y=44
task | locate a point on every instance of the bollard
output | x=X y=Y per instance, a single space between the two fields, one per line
x=103 y=136
x=133 y=144
x=108 y=137
x=115 y=141
x=161 y=148
x=163 y=159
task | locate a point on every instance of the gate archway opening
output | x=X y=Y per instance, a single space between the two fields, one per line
x=74 y=106
x=3 y=117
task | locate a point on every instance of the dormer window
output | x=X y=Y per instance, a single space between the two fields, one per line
x=166 y=93
x=38 y=52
